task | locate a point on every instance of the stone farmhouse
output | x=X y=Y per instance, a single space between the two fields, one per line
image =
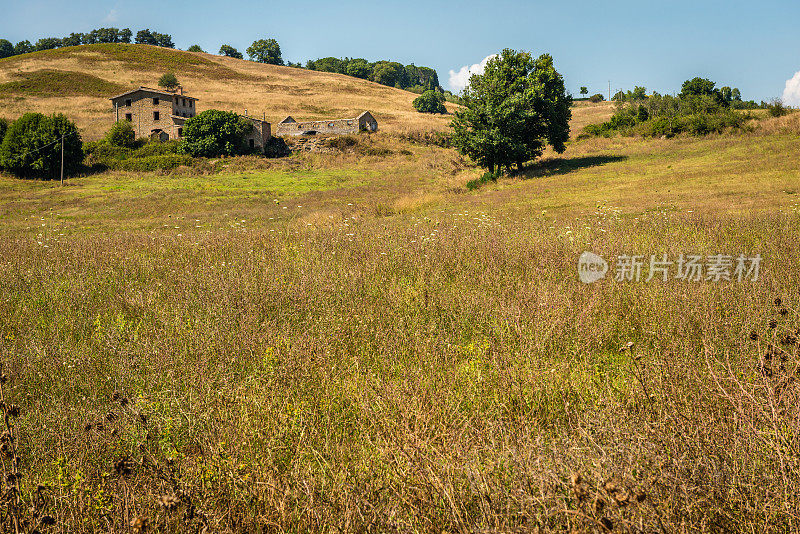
x=160 y=115
x=365 y=121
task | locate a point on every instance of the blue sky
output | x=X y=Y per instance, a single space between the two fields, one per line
x=753 y=46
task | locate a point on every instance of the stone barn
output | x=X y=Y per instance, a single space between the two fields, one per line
x=364 y=122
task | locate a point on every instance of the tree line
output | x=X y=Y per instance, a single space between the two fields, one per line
x=385 y=72
x=100 y=35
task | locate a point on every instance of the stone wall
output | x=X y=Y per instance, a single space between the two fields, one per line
x=336 y=126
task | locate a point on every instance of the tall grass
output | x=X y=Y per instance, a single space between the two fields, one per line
x=430 y=373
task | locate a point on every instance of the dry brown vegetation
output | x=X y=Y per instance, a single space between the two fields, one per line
x=219 y=82
x=351 y=341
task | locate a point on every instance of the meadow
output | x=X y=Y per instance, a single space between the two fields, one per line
x=350 y=342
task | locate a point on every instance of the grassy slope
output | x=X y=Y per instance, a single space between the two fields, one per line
x=342 y=340
x=218 y=82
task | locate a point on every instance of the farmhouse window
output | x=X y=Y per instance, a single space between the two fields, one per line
x=155 y=101
x=180 y=132
x=128 y=103
x=156 y=115
x=129 y=116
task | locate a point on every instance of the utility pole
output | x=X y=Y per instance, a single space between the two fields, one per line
x=62 y=160
x=609 y=90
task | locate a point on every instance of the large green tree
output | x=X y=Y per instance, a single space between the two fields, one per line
x=512 y=111
x=32 y=146
x=6 y=48
x=265 y=51
x=215 y=133
x=229 y=51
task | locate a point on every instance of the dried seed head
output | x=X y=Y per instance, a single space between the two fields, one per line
x=139 y=524
x=622 y=497
x=169 y=501
x=578 y=487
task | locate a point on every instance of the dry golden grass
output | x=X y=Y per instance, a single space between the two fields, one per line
x=585 y=113
x=356 y=343
x=261 y=89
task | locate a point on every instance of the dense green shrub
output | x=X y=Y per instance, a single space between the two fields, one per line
x=195 y=48
x=215 y=133
x=430 y=102
x=596 y=98
x=701 y=109
x=121 y=134
x=32 y=146
x=110 y=156
x=3 y=128
x=775 y=108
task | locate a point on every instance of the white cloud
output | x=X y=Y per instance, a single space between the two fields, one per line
x=112 y=16
x=459 y=80
x=791 y=94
